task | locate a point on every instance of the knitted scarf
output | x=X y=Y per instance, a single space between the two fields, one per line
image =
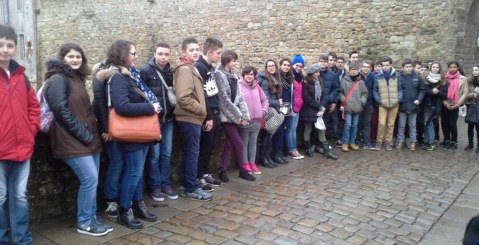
x=453 y=90
x=135 y=74
x=286 y=80
x=434 y=78
x=298 y=76
x=317 y=90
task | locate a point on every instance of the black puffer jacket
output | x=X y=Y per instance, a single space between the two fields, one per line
x=413 y=88
x=74 y=132
x=100 y=102
x=311 y=106
x=149 y=75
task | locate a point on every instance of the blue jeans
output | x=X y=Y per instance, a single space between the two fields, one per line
x=429 y=134
x=158 y=159
x=290 y=133
x=190 y=143
x=350 y=129
x=411 y=120
x=111 y=187
x=86 y=169
x=13 y=180
x=132 y=178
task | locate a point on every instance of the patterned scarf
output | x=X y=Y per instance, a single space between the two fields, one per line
x=452 y=91
x=317 y=90
x=286 y=80
x=135 y=73
x=434 y=78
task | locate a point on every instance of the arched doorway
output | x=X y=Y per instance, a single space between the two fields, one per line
x=470 y=48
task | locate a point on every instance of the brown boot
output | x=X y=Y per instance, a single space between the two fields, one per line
x=354 y=147
x=345 y=147
x=399 y=145
x=412 y=146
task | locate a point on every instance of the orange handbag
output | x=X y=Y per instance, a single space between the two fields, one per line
x=132 y=129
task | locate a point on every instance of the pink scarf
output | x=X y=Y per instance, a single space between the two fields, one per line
x=452 y=91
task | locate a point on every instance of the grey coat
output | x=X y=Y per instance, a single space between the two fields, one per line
x=230 y=111
x=357 y=100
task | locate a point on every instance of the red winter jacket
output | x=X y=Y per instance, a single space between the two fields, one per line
x=19 y=115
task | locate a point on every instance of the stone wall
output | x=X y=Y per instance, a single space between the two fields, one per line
x=257 y=30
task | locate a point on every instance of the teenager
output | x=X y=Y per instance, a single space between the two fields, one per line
x=471 y=97
x=190 y=113
x=212 y=49
x=353 y=95
x=436 y=91
x=364 y=125
x=413 y=93
x=450 y=112
x=387 y=94
x=313 y=108
x=329 y=97
x=130 y=96
x=270 y=82
x=157 y=74
x=253 y=96
x=19 y=122
x=233 y=114
x=74 y=136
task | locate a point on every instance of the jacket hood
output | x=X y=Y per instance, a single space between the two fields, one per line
x=104 y=73
x=245 y=84
x=55 y=66
x=262 y=75
x=180 y=63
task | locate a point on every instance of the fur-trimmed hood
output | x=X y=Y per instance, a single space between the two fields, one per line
x=103 y=72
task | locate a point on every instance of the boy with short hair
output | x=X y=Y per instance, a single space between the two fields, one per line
x=19 y=123
x=387 y=94
x=156 y=73
x=413 y=90
x=212 y=49
x=190 y=113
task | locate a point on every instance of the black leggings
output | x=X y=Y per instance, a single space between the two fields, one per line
x=449 y=124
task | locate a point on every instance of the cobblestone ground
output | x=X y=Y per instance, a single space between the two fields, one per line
x=366 y=197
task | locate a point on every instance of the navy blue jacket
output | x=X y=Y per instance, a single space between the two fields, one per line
x=369 y=82
x=412 y=89
x=149 y=75
x=330 y=82
x=127 y=101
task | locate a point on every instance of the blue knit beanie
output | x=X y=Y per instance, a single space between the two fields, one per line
x=298 y=59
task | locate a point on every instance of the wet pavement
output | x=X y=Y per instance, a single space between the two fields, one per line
x=365 y=197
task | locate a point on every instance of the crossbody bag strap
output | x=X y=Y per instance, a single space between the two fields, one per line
x=161 y=78
x=350 y=93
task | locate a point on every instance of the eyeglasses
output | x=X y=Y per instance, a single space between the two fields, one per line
x=299 y=66
x=249 y=74
x=134 y=53
x=270 y=66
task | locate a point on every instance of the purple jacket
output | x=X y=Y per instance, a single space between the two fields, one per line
x=255 y=99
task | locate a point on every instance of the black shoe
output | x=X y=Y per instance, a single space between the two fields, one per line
x=263 y=162
x=127 y=219
x=285 y=159
x=223 y=177
x=277 y=159
x=273 y=163
x=140 y=211
x=247 y=176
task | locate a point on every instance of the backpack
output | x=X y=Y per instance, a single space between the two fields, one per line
x=46 y=114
